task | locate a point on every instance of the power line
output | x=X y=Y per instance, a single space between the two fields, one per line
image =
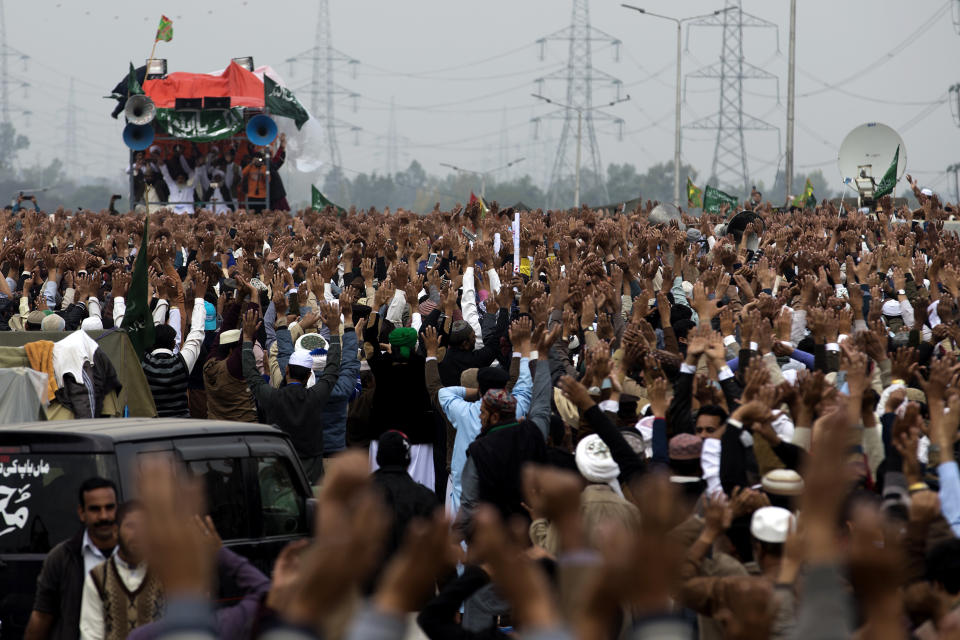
x=922 y=115
x=903 y=44
x=414 y=74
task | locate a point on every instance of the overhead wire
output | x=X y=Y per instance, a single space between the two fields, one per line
x=886 y=57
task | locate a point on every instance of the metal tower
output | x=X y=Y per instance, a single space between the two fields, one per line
x=6 y=78
x=729 y=166
x=393 y=146
x=70 y=143
x=580 y=77
x=323 y=89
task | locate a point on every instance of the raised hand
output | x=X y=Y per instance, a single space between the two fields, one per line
x=251 y=324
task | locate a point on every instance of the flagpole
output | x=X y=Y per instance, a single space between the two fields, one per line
x=152 y=51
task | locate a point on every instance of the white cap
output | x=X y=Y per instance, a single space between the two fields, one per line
x=230 y=336
x=926 y=191
x=891 y=308
x=301 y=358
x=782 y=482
x=772 y=524
x=596 y=464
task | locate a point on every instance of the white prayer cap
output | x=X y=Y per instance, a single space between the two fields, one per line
x=772 y=524
x=301 y=358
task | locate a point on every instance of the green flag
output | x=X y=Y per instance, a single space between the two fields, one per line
x=806 y=199
x=319 y=202
x=165 y=29
x=137 y=321
x=279 y=101
x=694 y=195
x=133 y=87
x=713 y=198
x=889 y=179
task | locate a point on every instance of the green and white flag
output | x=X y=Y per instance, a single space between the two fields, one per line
x=280 y=101
x=889 y=179
x=137 y=321
x=133 y=87
x=713 y=198
x=319 y=202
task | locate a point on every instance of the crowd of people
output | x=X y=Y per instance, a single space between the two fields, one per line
x=639 y=430
x=219 y=179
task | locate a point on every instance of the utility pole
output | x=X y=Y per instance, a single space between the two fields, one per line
x=791 y=76
x=70 y=144
x=504 y=155
x=677 y=138
x=580 y=111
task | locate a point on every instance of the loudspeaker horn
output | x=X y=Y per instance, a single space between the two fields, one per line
x=140 y=110
x=138 y=136
x=738 y=225
x=261 y=130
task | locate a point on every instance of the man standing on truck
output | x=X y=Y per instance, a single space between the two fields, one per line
x=56 y=605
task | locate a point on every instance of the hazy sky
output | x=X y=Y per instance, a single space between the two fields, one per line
x=453 y=107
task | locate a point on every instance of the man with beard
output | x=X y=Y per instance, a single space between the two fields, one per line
x=56 y=606
x=121 y=594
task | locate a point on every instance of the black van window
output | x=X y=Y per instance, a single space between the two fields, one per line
x=226 y=498
x=38 y=497
x=280 y=504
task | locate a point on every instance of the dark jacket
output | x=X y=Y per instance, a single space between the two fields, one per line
x=277 y=191
x=680 y=415
x=75 y=396
x=406 y=498
x=457 y=361
x=294 y=408
x=438 y=617
x=496 y=458
x=401 y=400
x=60 y=588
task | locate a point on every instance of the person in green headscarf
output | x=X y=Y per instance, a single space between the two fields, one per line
x=403 y=339
x=401 y=401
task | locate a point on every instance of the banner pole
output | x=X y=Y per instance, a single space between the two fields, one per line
x=152 y=51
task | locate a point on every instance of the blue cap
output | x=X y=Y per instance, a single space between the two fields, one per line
x=210 y=323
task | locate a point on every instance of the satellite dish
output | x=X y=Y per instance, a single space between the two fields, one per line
x=664 y=213
x=871 y=144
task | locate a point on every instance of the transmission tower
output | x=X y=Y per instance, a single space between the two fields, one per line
x=393 y=146
x=580 y=77
x=6 y=78
x=70 y=143
x=323 y=88
x=729 y=166
x=955 y=170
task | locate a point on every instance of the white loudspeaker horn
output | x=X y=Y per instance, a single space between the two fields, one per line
x=140 y=110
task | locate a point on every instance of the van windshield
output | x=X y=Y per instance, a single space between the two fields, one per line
x=38 y=497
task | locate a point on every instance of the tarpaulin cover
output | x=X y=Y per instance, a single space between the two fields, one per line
x=115 y=344
x=242 y=87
